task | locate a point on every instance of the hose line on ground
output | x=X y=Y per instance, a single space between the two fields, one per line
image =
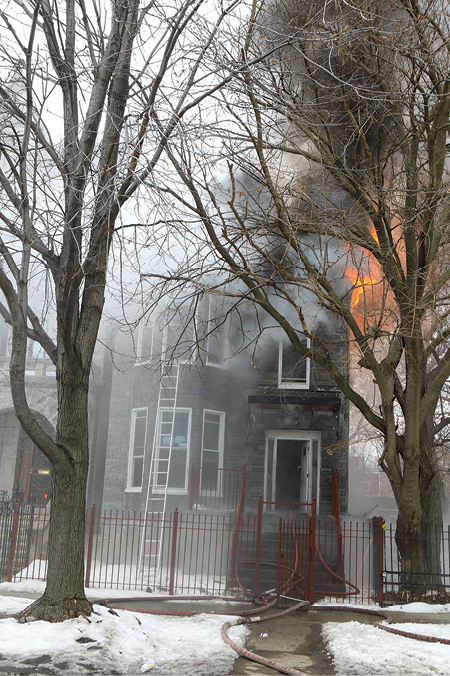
x=245 y=618
x=253 y=656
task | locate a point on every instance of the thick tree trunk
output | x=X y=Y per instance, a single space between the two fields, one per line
x=64 y=595
x=431 y=512
x=408 y=532
x=419 y=524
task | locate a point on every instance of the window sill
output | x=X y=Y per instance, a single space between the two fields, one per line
x=292 y=386
x=171 y=491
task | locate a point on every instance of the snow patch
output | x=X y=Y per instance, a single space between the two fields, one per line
x=362 y=649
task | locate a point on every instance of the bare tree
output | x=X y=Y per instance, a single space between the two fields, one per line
x=84 y=90
x=329 y=194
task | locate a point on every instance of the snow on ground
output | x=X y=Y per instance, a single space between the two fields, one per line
x=108 y=575
x=37 y=588
x=118 y=642
x=362 y=649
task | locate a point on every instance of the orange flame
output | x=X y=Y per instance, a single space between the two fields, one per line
x=359 y=284
x=361 y=281
x=373 y=232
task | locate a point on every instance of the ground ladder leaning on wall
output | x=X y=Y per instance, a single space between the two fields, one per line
x=151 y=551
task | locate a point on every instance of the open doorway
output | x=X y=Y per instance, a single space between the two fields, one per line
x=291 y=468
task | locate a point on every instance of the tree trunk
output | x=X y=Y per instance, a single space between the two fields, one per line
x=419 y=525
x=408 y=532
x=431 y=512
x=64 y=595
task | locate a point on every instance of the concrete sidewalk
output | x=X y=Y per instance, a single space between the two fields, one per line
x=294 y=640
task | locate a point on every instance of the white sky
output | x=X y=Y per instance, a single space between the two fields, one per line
x=193 y=646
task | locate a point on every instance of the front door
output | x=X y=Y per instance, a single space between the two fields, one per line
x=291 y=476
x=292 y=464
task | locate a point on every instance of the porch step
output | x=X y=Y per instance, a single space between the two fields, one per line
x=325 y=579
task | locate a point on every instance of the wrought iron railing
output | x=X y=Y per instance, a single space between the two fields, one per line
x=417 y=568
x=6 y=524
x=215 y=488
x=213 y=553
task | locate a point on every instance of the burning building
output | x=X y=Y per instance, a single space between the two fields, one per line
x=187 y=413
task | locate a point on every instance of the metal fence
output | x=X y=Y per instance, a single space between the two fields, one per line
x=177 y=553
x=293 y=557
x=27 y=556
x=414 y=578
x=6 y=524
x=355 y=574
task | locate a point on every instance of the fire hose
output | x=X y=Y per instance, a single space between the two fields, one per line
x=245 y=618
x=261 y=601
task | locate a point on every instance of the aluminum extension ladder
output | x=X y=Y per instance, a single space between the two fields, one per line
x=159 y=474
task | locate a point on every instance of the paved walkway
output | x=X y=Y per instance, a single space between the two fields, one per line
x=295 y=640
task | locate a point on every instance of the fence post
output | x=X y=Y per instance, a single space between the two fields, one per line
x=280 y=559
x=311 y=554
x=258 y=546
x=381 y=576
x=12 y=550
x=174 y=550
x=378 y=557
x=89 y=547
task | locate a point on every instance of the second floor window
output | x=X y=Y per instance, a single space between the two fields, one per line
x=293 y=369
x=179 y=337
x=217 y=341
x=144 y=345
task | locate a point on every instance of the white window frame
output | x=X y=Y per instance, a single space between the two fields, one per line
x=220 y=452
x=140 y=339
x=131 y=456
x=284 y=384
x=175 y=491
x=211 y=335
x=293 y=435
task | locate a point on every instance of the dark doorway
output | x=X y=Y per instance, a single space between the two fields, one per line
x=292 y=470
x=289 y=470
